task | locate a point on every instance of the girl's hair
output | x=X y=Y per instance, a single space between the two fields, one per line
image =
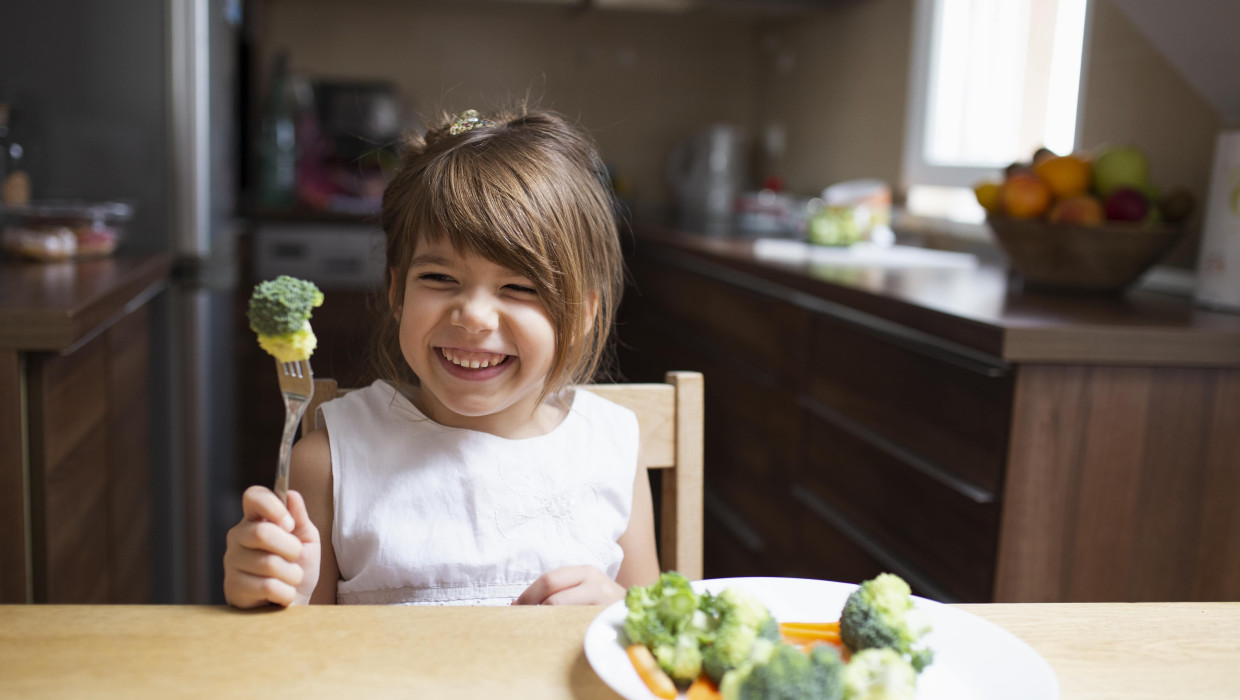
x=525 y=190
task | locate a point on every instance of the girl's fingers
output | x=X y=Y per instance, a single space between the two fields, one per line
x=593 y=590
x=303 y=528
x=260 y=503
x=577 y=595
x=265 y=536
x=551 y=583
x=244 y=590
x=264 y=565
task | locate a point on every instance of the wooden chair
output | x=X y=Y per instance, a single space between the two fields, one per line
x=669 y=416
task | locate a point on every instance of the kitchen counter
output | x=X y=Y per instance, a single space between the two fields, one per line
x=987 y=445
x=976 y=310
x=53 y=306
x=74 y=428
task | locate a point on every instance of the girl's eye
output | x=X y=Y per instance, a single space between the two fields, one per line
x=522 y=289
x=435 y=277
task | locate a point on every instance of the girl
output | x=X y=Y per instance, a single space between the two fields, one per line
x=473 y=473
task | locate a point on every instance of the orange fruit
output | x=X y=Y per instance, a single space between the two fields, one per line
x=1082 y=209
x=1024 y=196
x=1067 y=176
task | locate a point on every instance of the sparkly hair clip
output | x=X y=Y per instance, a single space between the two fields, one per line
x=468 y=120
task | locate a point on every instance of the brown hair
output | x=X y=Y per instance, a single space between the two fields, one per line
x=527 y=192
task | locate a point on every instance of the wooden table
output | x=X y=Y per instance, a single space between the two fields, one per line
x=1109 y=650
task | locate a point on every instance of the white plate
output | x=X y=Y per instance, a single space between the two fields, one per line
x=973 y=658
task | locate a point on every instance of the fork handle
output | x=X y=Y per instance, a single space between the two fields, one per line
x=292 y=418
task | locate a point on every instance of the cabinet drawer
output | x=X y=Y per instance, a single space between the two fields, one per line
x=948 y=418
x=754 y=329
x=897 y=513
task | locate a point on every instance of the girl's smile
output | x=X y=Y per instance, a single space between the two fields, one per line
x=480 y=340
x=474 y=365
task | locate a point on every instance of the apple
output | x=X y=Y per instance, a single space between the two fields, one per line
x=1081 y=209
x=1120 y=166
x=1127 y=204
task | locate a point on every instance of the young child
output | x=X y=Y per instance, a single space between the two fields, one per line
x=474 y=473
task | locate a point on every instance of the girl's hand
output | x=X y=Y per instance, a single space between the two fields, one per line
x=572 y=585
x=273 y=553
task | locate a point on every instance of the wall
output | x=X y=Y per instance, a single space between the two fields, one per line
x=638 y=81
x=839 y=81
x=1134 y=95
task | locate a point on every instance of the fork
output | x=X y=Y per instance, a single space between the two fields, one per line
x=297 y=386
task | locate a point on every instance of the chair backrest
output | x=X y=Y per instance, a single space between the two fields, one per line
x=669 y=416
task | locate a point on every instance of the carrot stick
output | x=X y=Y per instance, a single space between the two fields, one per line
x=703 y=689
x=648 y=669
x=803 y=633
x=810 y=626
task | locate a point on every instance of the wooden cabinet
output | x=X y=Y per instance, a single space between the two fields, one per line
x=74 y=431
x=851 y=431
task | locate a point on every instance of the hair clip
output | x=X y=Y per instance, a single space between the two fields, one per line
x=468 y=120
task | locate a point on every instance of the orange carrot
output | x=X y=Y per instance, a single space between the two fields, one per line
x=810 y=626
x=805 y=634
x=653 y=676
x=703 y=689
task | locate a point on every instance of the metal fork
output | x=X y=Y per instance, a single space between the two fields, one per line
x=297 y=386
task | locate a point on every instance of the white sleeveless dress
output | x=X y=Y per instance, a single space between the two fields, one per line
x=426 y=514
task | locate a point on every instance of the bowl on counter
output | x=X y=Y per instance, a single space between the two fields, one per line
x=51 y=230
x=1104 y=258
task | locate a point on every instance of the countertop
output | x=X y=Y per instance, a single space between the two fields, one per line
x=55 y=306
x=1133 y=651
x=976 y=309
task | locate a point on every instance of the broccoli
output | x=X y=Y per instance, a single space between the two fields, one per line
x=681 y=659
x=784 y=672
x=879 y=674
x=280 y=314
x=879 y=614
x=658 y=613
x=743 y=620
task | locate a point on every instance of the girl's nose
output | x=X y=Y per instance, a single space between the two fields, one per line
x=476 y=313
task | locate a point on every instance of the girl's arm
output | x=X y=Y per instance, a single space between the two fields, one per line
x=640 y=566
x=310 y=473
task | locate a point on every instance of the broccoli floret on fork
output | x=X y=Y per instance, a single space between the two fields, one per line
x=280 y=314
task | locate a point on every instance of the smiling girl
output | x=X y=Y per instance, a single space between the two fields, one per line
x=475 y=471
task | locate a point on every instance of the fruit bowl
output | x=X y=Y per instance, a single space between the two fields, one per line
x=1103 y=258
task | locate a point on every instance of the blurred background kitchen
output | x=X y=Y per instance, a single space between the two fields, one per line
x=252 y=139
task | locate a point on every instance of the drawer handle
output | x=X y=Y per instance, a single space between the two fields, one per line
x=873 y=547
x=928 y=468
x=733 y=523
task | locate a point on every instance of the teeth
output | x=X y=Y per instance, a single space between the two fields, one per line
x=480 y=361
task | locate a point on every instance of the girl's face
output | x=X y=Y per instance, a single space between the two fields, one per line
x=480 y=341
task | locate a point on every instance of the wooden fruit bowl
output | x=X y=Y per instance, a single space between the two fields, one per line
x=1069 y=257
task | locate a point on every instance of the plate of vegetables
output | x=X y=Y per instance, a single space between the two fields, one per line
x=785 y=638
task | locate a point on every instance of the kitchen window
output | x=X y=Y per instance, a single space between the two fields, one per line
x=990 y=82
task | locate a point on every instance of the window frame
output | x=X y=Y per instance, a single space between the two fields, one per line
x=916 y=170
